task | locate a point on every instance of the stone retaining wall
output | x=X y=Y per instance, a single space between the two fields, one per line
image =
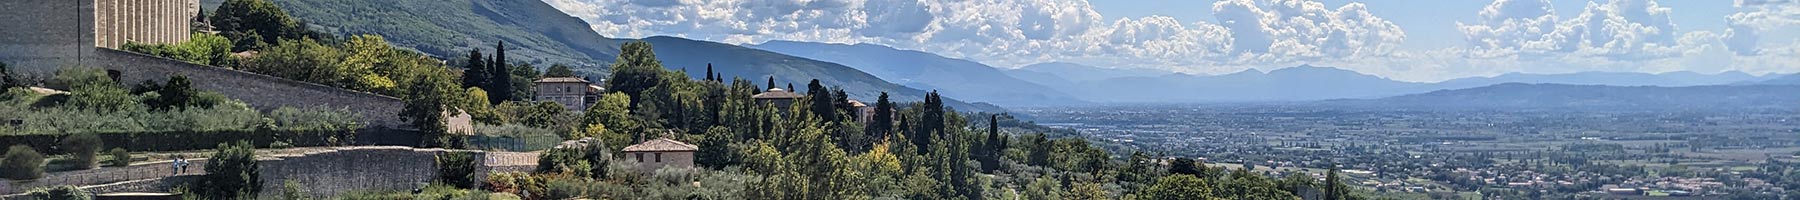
x=324 y=172
x=262 y=92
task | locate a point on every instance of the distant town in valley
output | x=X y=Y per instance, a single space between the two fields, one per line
x=899 y=99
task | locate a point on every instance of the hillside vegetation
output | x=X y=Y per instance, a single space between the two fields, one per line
x=538 y=33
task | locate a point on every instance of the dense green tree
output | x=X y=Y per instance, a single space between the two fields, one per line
x=428 y=100
x=613 y=112
x=823 y=103
x=561 y=70
x=178 y=92
x=1177 y=187
x=1140 y=170
x=1242 y=184
x=1334 y=186
x=635 y=70
x=883 y=120
x=523 y=80
x=475 y=74
x=232 y=173
x=252 y=24
x=1187 y=166
x=1040 y=150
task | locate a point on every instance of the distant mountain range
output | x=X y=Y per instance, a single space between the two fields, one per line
x=1310 y=83
x=1555 y=96
x=537 y=33
x=959 y=78
x=540 y=34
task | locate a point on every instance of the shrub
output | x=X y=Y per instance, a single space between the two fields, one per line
x=65 y=192
x=232 y=173
x=292 y=191
x=457 y=169
x=120 y=157
x=84 y=149
x=22 y=163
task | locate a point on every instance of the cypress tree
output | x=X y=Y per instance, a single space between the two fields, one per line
x=772 y=83
x=500 y=76
x=842 y=102
x=883 y=120
x=709 y=72
x=990 y=158
x=934 y=114
x=821 y=101
x=476 y=73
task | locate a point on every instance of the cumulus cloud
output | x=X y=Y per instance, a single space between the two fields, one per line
x=1266 y=30
x=1617 y=29
x=1757 y=15
x=1015 y=32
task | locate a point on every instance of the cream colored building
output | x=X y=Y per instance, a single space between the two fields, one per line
x=661 y=153
x=575 y=94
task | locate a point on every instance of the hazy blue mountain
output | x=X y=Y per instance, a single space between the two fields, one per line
x=1079 y=73
x=1522 y=95
x=1301 y=83
x=1775 y=79
x=963 y=79
x=1670 y=79
x=758 y=65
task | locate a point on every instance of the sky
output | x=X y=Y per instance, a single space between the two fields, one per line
x=1411 y=40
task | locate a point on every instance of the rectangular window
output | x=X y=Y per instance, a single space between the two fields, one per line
x=658 y=157
x=640 y=157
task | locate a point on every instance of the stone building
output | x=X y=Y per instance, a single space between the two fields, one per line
x=861 y=111
x=575 y=94
x=661 y=153
x=459 y=123
x=43 y=35
x=778 y=97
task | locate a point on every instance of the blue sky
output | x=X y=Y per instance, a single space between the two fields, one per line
x=1417 y=40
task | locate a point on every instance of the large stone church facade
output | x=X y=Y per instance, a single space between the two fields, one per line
x=39 y=36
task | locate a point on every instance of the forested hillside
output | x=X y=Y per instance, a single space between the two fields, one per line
x=538 y=33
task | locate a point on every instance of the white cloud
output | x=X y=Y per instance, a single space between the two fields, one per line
x=1617 y=30
x=1010 y=33
x=1754 y=16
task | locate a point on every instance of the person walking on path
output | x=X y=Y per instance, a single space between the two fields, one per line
x=175 y=166
x=184 y=164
